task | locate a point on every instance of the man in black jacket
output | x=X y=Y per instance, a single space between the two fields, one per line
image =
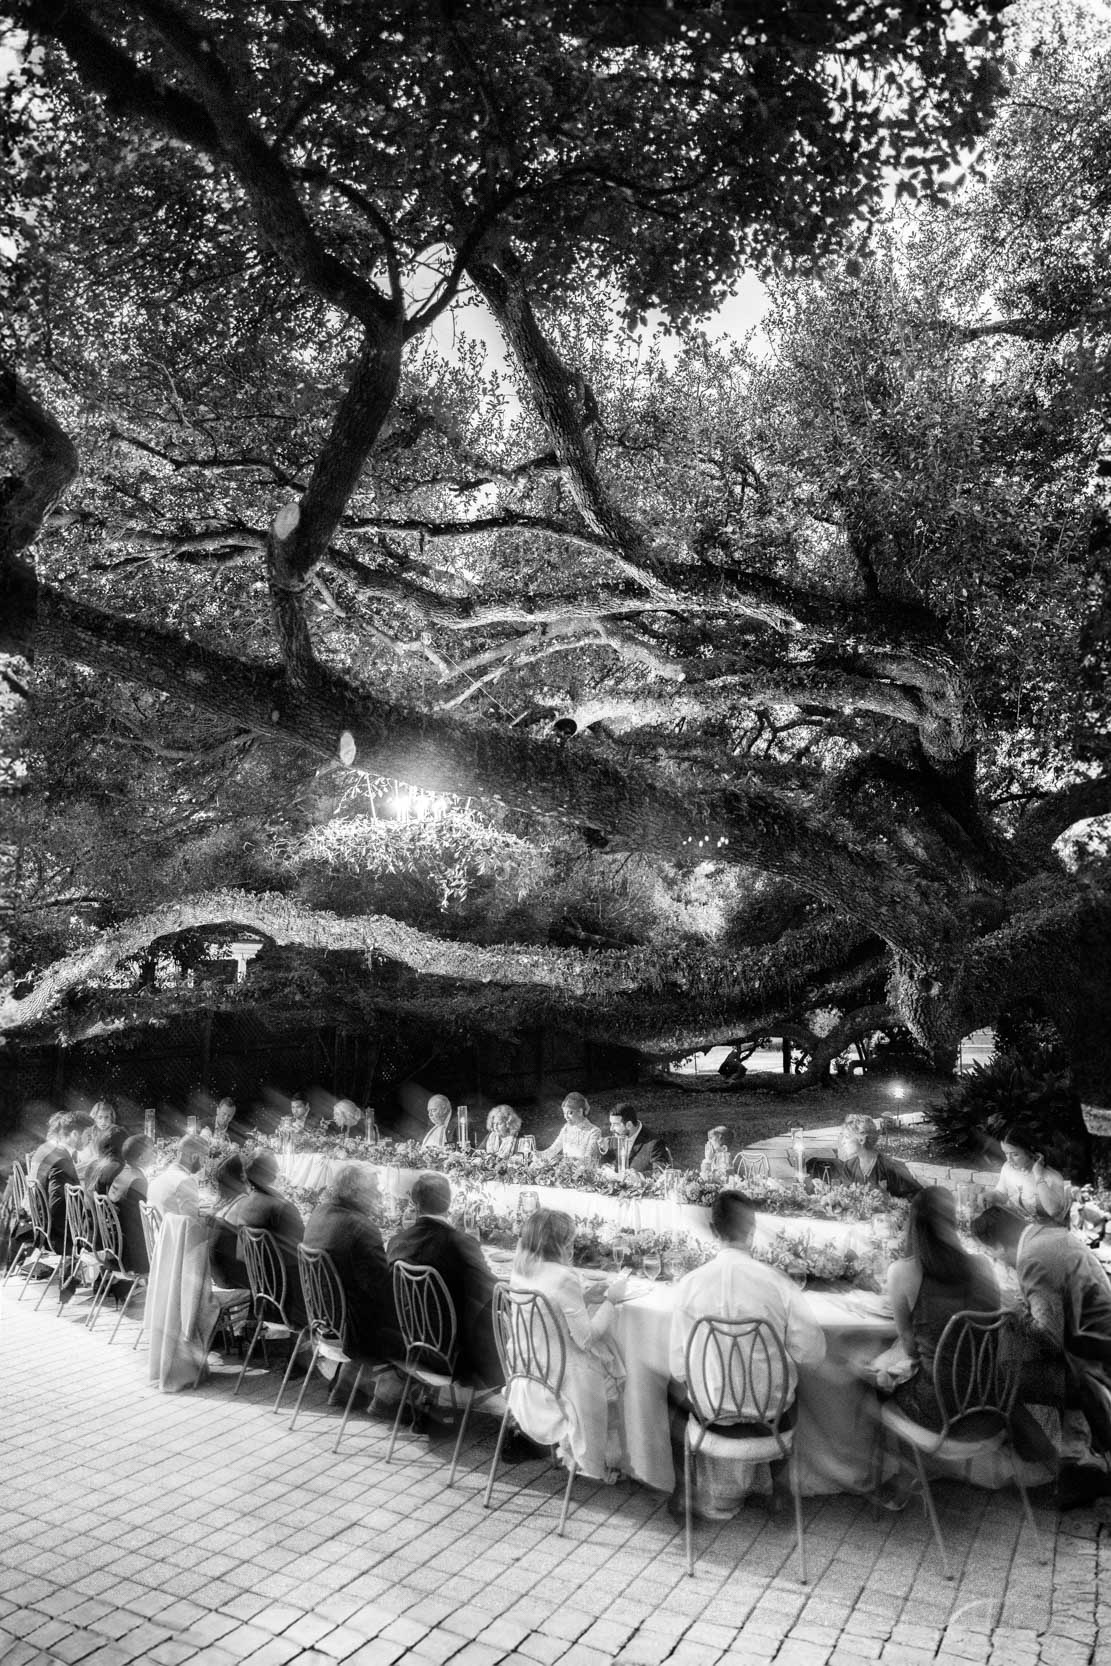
x=644 y=1151
x=432 y=1241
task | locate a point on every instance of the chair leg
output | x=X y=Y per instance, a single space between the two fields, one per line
x=689 y=1531
x=305 y=1384
x=123 y=1310
x=496 y=1459
x=100 y=1296
x=401 y=1404
x=928 y=1500
x=57 y=1269
x=572 y=1471
x=459 y=1437
x=797 y=1491
x=247 y=1358
x=293 y=1348
x=32 y=1259
x=1038 y=1547
x=347 y=1407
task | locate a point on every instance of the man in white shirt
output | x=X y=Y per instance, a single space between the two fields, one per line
x=175 y=1191
x=734 y=1286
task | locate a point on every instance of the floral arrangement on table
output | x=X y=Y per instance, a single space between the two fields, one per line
x=795 y=1254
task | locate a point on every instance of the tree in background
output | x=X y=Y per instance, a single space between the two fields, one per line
x=719 y=665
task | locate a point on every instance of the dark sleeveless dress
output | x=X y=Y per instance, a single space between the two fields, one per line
x=934 y=1306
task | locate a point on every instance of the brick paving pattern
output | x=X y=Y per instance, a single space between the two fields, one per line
x=141 y=1527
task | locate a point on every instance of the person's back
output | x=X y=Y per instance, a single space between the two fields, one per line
x=340 y=1226
x=433 y=1242
x=264 y=1206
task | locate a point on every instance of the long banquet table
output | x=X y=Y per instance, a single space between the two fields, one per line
x=631 y=1214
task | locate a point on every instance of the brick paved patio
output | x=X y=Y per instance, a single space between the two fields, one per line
x=194 y=1527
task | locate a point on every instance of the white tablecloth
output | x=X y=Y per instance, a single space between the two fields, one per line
x=631 y=1214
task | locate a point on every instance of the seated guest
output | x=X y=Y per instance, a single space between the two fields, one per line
x=52 y=1168
x=265 y=1206
x=228 y=1269
x=578 y=1141
x=1068 y=1305
x=226 y=1126
x=103 y=1117
x=734 y=1286
x=585 y=1423
x=937 y=1279
x=126 y=1191
x=432 y=1241
x=175 y=1191
x=716 y=1156
x=439 y=1115
x=1026 y=1183
x=643 y=1152
x=343 y=1224
x=860 y=1163
x=299 y=1111
x=108 y=1162
x=503 y=1125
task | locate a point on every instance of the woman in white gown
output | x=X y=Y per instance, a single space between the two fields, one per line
x=585 y=1421
x=578 y=1141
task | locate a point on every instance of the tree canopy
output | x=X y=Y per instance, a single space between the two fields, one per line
x=723 y=683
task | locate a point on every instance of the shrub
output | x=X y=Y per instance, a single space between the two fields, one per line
x=1034 y=1091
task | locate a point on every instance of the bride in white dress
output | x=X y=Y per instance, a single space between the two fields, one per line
x=578 y=1141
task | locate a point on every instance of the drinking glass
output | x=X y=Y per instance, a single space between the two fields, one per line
x=620 y=1251
x=650 y=1264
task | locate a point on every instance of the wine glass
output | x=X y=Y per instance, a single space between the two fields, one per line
x=620 y=1251
x=651 y=1264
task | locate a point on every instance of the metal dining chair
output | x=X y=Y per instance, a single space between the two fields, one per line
x=975 y=1371
x=80 y=1243
x=532 y=1349
x=429 y=1329
x=40 y=1251
x=269 y=1305
x=16 y=1207
x=326 y=1306
x=738 y=1377
x=151 y=1220
x=110 y=1255
x=751 y=1165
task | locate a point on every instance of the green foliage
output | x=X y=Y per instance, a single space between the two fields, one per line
x=1031 y=1090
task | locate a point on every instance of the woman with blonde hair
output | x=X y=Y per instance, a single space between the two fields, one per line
x=585 y=1422
x=502 y=1128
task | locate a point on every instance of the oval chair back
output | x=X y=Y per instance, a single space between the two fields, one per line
x=426 y=1315
x=325 y=1302
x=19 y=1190
x=976 y=1368
x=737 y=1372
x=151 y=1220
x=752 y=1165
x=38 y=1213
x=109 y=1231
x=266 y=1275
x=81 y=1228
x=40 y=1248
x=530 y=1338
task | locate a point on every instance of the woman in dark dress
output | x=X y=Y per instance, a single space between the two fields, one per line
x=937 y=1279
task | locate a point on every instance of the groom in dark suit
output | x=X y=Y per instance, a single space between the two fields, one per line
x=645 y=1152
x=432 y=1241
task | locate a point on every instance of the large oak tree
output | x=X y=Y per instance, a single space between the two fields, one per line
x=766 y=618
